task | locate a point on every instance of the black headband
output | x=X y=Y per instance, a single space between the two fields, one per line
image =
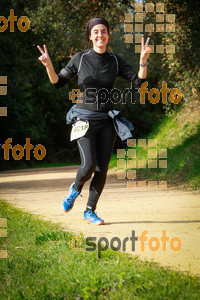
x=94 y=22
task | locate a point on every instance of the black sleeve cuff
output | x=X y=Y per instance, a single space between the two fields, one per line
x=139 y=81
x=61 y=82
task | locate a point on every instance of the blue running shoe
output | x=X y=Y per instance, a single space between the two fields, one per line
x=91 y=217
x=70 y=197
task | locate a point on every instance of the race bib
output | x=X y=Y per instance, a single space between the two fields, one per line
x=79 y=129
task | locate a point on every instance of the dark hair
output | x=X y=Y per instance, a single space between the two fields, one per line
x=94 y=21
x=90 y=24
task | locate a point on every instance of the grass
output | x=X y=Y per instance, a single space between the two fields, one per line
x=41 y=265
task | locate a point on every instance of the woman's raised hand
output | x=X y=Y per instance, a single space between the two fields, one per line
x=145 y=50
x=46 y=61
x=44 y=58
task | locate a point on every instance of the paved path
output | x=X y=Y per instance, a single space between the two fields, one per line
x=40 y=191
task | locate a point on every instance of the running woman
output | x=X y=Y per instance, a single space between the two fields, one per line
x=95 y=120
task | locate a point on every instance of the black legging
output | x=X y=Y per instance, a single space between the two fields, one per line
x=95 y=150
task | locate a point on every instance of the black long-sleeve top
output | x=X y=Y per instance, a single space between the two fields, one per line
x=96 y=73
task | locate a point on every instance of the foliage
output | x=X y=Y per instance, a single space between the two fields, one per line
x=37 y=110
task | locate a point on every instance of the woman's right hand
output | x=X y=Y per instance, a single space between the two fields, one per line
x=44 y=58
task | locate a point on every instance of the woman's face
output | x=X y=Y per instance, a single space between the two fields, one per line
x=99 y=36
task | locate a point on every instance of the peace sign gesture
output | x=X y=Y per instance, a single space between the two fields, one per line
x=145 y=51
x=44 y=58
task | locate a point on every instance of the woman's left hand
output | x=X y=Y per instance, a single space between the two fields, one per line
x=145 y=51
